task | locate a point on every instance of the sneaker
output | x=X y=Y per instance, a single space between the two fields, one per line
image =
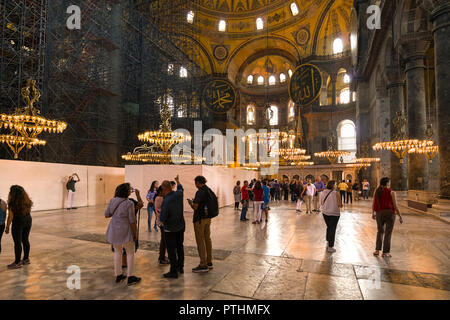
x=165 y=261
x=331 y=250
x=210 y=266
x=120 y=278
x=133 y=280
x=25 y=261
x=170 y=275
x=15 y=265
x=200 y=269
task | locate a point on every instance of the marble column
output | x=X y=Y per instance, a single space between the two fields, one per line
x=415 y=82
x=441 y=33
x=395 y=87
x=382 y=105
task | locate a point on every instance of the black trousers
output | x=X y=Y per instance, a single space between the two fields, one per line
x=349 y=195
x=342 y=196
x=385 y=217
x=331 y=222
x=162 y=245
x=2 y=228
x=20 y=230
x=286 y=195
x=236 y=205
x=174 y=242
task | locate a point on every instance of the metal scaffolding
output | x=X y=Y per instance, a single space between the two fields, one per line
x=108 y=79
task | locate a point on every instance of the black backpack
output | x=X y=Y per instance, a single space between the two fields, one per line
x=212 y=205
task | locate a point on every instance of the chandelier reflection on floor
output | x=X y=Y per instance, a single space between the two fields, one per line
x=26 y=123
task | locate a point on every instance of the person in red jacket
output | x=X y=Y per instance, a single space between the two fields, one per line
x=384 y=210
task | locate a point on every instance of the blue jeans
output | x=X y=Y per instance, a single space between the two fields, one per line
x=150 y=210
x=244 y=209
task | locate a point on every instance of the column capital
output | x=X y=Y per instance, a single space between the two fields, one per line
x=414 y=47
x=440 y=17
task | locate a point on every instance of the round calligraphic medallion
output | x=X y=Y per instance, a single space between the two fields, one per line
x=219 y=96
x=220 y=52
x=305 y=84
x=303 y=37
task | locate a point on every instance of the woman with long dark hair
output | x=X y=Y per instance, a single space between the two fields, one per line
x=151 y=195
x=384 y=210
x=19 y=214
x=258 y=192
x=122 y=231
x=331 y=204
x=162 y=243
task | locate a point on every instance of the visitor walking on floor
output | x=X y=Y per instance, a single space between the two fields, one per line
x=277 y=187
x=343 y=190
x=309 y=192
x=245 y=200
x=205 y=208
x=349 y=191
x=162 y=259
x=384 y=210
x=293 y=189
x=257 y=203
x=172 y=220
x=122 y=231
x=355 y=189
x=237 y=195
x=151 y=195
x=3 y=209
x=365 y=189
x=285 y=187
x=331 y=204
x=320 y=187
x=299 y=195
x=266 y=200
x=19 y=214
x=70 y=186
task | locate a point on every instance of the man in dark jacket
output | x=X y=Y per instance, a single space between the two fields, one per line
x=172 y=220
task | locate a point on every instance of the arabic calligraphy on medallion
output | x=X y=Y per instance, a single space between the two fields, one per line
x=305 y=84
x=219 y=96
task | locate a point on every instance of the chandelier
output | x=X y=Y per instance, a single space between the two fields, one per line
x=302 y=164
x=162 y=142
x=401 y=146
x=26 y=124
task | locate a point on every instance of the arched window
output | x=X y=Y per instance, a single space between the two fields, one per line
x=250 y=115
x=338 y=46
x=294 y=9
x=250 y=79
x=290 y=73
x=282 y=77
x=273 y=115
x=347 y=138
x=170 y=69
x=344 y=96
x=260 y=80
x=272 y=80
x=183 y=72
x=291 y=108
x=222 y=25
x=259 y=24
x=346 y=78
x=182 y=108
x=190 y=17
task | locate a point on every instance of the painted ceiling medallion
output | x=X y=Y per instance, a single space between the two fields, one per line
x=302 y=37
x=220 y=52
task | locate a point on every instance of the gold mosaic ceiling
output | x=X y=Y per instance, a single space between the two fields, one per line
x=310 y=32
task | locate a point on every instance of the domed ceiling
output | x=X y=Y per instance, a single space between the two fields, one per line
x=310 y=32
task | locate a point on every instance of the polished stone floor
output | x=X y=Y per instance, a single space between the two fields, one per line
x=285 y=259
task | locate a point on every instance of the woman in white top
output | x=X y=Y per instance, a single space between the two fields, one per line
x=331 y=204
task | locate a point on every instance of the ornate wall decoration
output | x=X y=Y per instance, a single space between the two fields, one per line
x=220 y=52
x=305 y=84
x=219 y=96
x=302 y=37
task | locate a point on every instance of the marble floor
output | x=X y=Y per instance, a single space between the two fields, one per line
x=283 y=259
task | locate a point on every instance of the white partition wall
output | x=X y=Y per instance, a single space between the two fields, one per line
x=220 y=179
x=46 y=182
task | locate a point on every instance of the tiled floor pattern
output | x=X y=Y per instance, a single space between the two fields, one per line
x=284 y=259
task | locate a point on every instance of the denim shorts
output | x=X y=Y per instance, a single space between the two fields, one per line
x=265 y=205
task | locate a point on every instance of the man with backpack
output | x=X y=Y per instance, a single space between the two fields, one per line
x=205 y=207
